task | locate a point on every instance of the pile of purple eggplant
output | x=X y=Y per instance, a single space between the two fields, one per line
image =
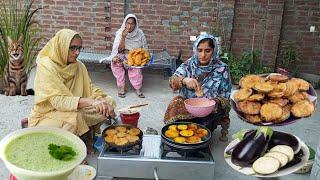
x=255 y=143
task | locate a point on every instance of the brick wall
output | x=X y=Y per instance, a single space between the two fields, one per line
x=299 y=15
x=87 y=17
x=169 y=23
x=257 y=26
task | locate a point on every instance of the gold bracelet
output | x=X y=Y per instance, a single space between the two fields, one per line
x=181 y=82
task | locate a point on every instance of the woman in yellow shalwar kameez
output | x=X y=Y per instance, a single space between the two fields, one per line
x=64 y=95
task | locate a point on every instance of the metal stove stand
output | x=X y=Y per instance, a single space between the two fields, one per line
x=156 y=161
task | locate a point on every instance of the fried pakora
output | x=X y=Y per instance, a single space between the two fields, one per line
x=280 y=101
x=278 y=77
x=302 y=84
x=132 y=138
x=173 y=127
x=110 y=138
x=182 y=127
x=192 y=126
x=255 y=97
x=302 y=108
x=298 y=96
x=121 y=141
x=193 y=139
x=121 y=134
x=110 y=131
x=179 y=139
x=186 y=133
x=201 y=133
x=253 y=118
x=249 y=81
x=270 y=112
x=242 y=94
x=285 y=114
x=263 y=87
x=121 y=128
x=134 y=131
x=249 y=107
x=171 y=133
x=292 y=88
x=278 y=90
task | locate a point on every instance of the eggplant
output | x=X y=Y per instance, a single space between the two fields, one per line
x=251 y=147
x=281 y=138
x=294 y=161
x=242 y=134
x=239 y=135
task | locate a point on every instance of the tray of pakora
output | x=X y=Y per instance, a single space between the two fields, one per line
x=122 y=136
x=273 y=100
x=186 y=135
x=138 y=58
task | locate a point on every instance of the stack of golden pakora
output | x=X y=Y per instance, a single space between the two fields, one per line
x=138 y=57
x=186 y=133
x=122 y=135
x=273 y=98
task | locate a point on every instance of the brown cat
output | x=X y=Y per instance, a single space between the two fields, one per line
x=14 y=76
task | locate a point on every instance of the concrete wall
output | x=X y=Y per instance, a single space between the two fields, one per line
x=244 y=25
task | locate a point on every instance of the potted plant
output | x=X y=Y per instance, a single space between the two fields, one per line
x=17 y=20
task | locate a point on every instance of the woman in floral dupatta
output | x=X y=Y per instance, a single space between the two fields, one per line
x=202 y=71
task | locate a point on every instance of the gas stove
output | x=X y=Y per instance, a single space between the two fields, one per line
x=155 y=160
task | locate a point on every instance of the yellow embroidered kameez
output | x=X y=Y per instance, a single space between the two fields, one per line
x=59 y=86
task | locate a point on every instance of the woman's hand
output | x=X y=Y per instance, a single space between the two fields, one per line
x=116 y=60
x=103 y=108
x=124 y=33
x=191 y=83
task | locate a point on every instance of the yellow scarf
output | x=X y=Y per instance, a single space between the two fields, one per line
x=57 y=78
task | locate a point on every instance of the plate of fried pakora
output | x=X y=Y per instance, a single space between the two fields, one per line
x=273 y=99
x=122 y=136
x=138 y=58
x=185 y=134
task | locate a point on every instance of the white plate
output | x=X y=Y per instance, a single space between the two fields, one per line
x=282 y=172
x=83 y=172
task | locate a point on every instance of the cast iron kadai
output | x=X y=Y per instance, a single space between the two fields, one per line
x=127 y=146
x=203 y=144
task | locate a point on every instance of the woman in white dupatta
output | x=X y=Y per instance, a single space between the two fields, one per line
x=128 y=37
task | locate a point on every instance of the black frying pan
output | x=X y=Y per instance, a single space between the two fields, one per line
x=126 y=146
x=185 y=146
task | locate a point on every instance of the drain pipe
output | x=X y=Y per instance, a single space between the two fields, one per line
x=280 y=37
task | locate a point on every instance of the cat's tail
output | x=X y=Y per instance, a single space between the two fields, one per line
x=30 y=92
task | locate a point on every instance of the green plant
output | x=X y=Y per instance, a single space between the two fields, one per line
x=17 y=20
x=248 y=63
x=289 y=57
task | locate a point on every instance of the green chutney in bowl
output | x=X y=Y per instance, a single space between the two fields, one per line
x=25 y=153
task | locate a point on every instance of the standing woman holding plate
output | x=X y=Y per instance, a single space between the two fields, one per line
x=128 y=37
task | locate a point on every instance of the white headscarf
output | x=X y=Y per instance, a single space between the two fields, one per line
x=135 y=39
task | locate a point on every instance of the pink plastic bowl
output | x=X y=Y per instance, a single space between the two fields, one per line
x=199 y=107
